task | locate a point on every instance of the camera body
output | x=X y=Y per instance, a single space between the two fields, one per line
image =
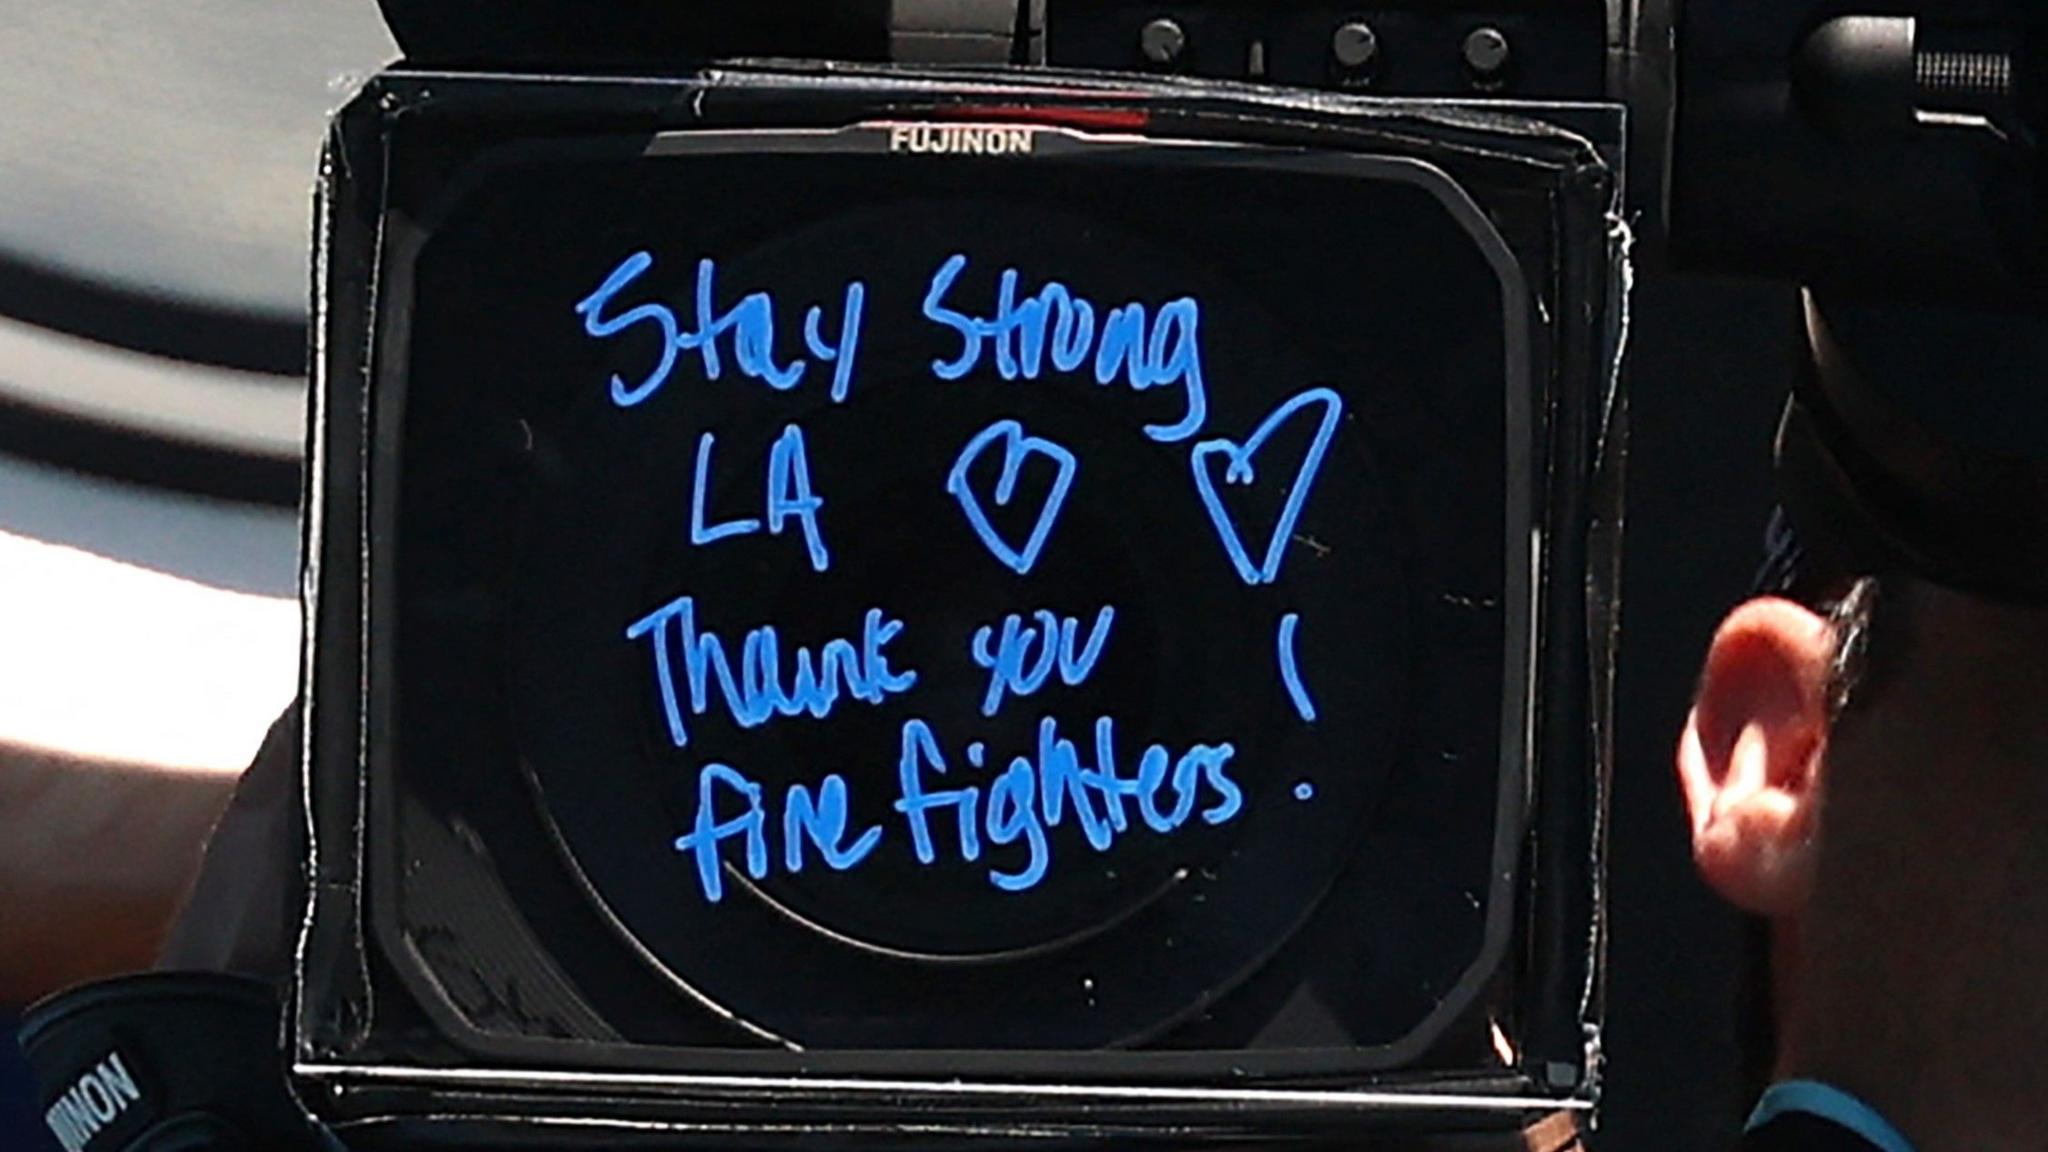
x=947 y=572
x=955 y=603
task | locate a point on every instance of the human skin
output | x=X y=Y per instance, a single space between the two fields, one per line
x=95 y=858
x=1898 y=851
x=130 y=701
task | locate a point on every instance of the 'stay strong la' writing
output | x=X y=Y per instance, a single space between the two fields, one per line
x=952 y=797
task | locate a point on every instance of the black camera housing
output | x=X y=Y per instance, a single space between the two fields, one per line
x=479 y=965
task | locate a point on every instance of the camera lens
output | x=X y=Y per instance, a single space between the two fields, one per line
x=945 y=610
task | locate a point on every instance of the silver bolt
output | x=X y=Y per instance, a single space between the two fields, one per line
x=1354 y=45
x=1486 y=52
x=1163 y=40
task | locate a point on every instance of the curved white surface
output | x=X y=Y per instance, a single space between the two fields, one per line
x=247 y=412
x=141 y=627
x=170 y=146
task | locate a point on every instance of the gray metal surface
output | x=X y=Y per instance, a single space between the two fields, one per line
x=169 y=147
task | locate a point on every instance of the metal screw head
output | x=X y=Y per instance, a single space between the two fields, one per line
x=1354 y=45
x=1486 y=52
x=1163 y=40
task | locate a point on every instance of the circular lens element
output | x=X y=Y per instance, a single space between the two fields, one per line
x=949 y=606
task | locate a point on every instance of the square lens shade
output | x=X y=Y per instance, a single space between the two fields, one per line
x=986 y=590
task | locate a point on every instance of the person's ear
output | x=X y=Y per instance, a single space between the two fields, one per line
x=1750 y=760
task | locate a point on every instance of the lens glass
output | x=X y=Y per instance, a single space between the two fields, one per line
x=868 y=596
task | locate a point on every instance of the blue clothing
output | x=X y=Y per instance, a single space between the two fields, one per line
x=1804 y=1105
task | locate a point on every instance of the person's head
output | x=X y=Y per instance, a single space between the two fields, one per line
x=1866 y=770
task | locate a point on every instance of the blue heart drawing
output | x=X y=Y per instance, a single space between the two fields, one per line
x=1017 y=448
x=1238 y=470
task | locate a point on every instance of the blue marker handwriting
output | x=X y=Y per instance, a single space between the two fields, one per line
x=1290 y=673
x=1032 y=794
x=758 y=692
x=1238 y=470
x=1017 y=448
x=1144 y=351
x=821 y=822
x=1020 y=805
x=1014 y=668
x=955 y=802
x=751 y=324
x=789 y=494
